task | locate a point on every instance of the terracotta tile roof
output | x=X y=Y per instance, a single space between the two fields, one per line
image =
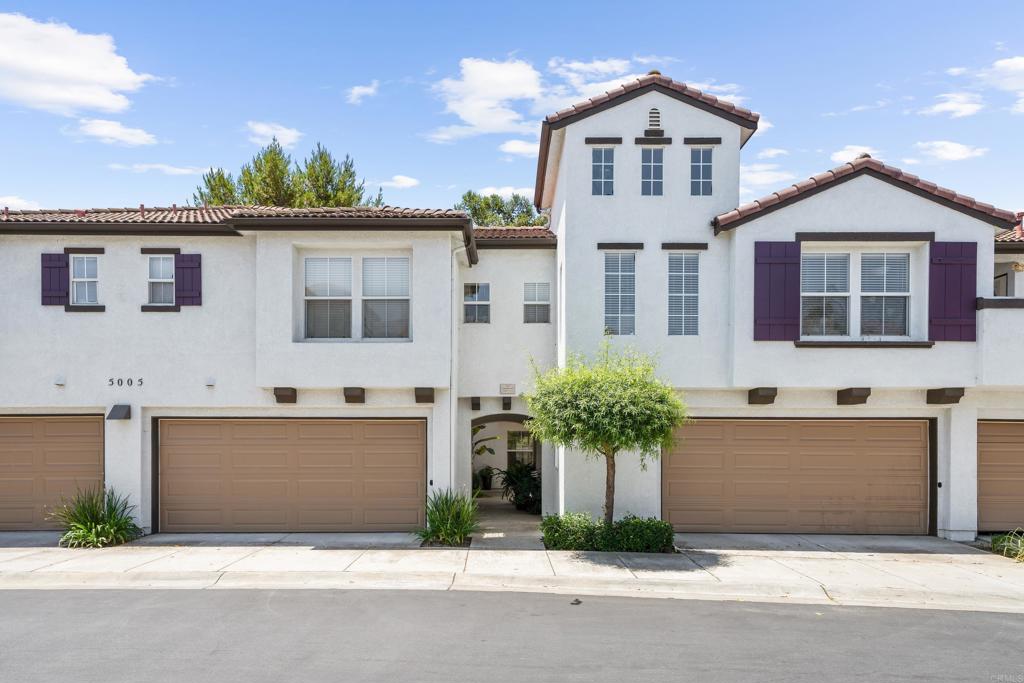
x=215 y=215
x=512 y=233
x=651 y=80
x=860 y=165
x=1014 y=234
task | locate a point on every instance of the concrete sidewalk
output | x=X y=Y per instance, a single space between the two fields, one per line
x=889 y=571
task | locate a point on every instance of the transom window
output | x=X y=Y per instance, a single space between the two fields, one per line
x=700 y=171
x=328 y=297
x=477 y=302
x=161 y=280
x=619 y=292
x=84 y=280
x=845 y=294
x=683 y=283
x=652 y=169
x=602 y=170
x=520 y=448
x=386 y=297
x=537 y=302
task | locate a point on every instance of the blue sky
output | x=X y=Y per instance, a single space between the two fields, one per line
x=122 y=103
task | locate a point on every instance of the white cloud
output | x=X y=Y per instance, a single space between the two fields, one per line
x=523 y=148
x=263 y=132
x=115 y=133
x=772 y=152
x=400 y=182
x=506 y=191
x=956 y=104
x=944 y=150
x=723 y=91
x=956 y=71
x=1008 y=75
x=16 y=203
x=764 y=175
x=357 y=93
x=851 y=152
x=166 y=169
x=911 y=161
x=763 y=125
x=53 y=67
x=653 y=59
x=877 y=104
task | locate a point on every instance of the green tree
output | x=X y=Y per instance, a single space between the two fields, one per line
x=612 y=404
x=269 y=180
x=218 y=189
x=492 y=209
x=323 y=181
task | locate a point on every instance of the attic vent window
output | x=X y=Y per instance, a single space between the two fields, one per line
x=654 y=119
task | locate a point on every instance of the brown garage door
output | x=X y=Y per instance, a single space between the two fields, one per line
x=799 y=476
x=292 y=475
x=43 y=459
x=1000 y=476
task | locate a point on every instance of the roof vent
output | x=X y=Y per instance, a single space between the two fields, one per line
x=654 y=118
x=653 y=72
x=863 y=155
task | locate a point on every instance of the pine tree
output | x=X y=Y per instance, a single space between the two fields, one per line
x=269 y=180
x=218 y=189
x=517 y=210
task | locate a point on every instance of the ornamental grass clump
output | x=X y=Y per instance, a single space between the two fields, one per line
x=451 y=518
x=1010 y=545
x=96 y=518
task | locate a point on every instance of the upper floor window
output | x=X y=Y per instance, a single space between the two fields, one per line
x=654 y=118
x=84 y=279
x=328 y=298
x=652 y=171
x=619 y=292
x=700 y=171
x=161 y=280
x=477 y=302
x=603 y=171
x=885 y=295
x=825 y=295
x=536 y=302
x=386 y=297
x=683 y=284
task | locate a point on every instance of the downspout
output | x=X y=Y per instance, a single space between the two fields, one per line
x=453 y=402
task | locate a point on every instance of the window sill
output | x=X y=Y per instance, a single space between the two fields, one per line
x=343 y=340
x=864 y=344
x=82 y=308
x=999 y=302
x=161 y=308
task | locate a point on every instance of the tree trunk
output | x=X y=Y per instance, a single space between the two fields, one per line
x=609 y=489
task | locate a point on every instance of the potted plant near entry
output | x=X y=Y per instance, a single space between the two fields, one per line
x=479 y=448
x=486 y=475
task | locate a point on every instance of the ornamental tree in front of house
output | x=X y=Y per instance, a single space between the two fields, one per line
x=606 y=406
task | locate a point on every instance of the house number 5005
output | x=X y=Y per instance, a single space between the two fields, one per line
x=122 y=382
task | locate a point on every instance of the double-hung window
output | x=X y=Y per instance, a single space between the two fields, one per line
x=825 y=295
x=602 y=164
x=700 y=171
x=328 y=297
x=385 y=297
x=683 y=284
x=652 y=171
x=84 y=280
x=885 y=295
x=537 y=302
x=619 y=292
x=476 y=307
x=161 y=280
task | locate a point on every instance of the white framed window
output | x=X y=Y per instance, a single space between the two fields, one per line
x=519 y=448
x=161 y=281
x=619 y=292
x=537 y=302
x=652 y=171
x=385 y=297
x=700 y=171
x=84 y=280
x=476 y=307
x=683 y=293
x=602 y=164
x=824 y=295
x=328 y=297
x=885 y=294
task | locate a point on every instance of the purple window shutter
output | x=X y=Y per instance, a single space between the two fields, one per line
x=188 y=279
x=953 y=291
x=776 y=291
x=56 y=279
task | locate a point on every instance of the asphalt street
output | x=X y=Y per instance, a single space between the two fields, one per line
x=252 y=636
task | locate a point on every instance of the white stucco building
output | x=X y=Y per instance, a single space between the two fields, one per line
x=842 y=344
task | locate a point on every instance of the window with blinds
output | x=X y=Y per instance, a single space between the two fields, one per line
x=536 y=302
x=328 y=297
x=619 y=292
x=885 y=295
x=683 y=299
x=476 y=307
x=825 y=295
x=385 y=297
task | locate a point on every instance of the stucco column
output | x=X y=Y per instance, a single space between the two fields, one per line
x=441 y=456
x=122 y=462
x=958 y=474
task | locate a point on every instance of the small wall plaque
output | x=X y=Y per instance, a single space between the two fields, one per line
x=507 y=389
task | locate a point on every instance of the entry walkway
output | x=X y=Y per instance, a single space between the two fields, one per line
x=890 y=571
x=502 y=527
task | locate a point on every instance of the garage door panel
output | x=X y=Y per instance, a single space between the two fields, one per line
x=322 y=475
x=802 y=476
x=14 y=486
x=56 y=459
x=1000 y=476
x=16 y=459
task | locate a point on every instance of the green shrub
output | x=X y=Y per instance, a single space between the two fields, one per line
x=521 y=485
x=577 y=531
x=1010 y=545
x=451 y=518
x=96 y=518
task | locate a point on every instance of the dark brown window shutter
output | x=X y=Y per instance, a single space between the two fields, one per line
x=188 y=279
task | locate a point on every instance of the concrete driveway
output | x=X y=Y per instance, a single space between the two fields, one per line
x=850 y=570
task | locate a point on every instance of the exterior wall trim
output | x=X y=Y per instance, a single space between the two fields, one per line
x=84 y=250
x=983 y=302
x=631 y=246
x=864 y=344
x=702 y=141
x=684 y=246
x=602 y=141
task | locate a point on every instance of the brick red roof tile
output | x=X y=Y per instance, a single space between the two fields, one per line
x=1014 y=234
x=861 y=164
x=214 y=215
x=512 y=232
